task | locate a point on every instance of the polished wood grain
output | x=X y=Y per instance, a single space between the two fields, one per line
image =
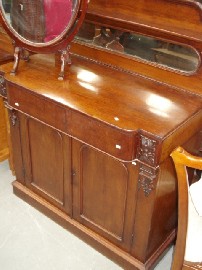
x=172 y=21
x=183 y=159
x=104 y=194
x=47 y=155
x=93 y=90
x=6 y=46
x=157 y=17
x=146 y=69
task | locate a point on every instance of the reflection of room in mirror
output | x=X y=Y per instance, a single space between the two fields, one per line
x=7 y=7
x=39 y=20
x=174 y=56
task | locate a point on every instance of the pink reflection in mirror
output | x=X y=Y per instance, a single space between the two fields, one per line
x=57 y=17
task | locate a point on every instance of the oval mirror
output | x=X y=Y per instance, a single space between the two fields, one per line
x=42 y=26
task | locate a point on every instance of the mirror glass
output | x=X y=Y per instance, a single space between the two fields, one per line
x=177 y=57
x=40 y=21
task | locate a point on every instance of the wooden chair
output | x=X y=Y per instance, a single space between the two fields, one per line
x=188 y=249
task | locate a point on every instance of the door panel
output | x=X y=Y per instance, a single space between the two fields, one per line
x=46 y=159
x=107 y=195
x=104 y=195
x=48 y=163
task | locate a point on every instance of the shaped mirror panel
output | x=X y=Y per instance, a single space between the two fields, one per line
x=40 y=21
x=176 y=57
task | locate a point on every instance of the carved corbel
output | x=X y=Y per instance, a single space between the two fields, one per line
x=2 y=87
x=12 y=114
x=13 y=118
x=148 y=171
x=147 y=177
x=147 y=150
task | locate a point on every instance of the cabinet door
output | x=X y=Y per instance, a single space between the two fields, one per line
x=104 y=194
x=47 y=162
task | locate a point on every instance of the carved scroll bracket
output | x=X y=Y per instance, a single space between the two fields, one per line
x=12 y=114
x=2 y=87
x=147 y=177
x=13 y=118
x=147 y=150
x=147 y=155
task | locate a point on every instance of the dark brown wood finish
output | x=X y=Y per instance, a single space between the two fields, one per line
x=112 y=152
x=93 y=151
x=101 y=185
x=172 y=21
x=156 y=18
x=5 y=57
x=4 y=150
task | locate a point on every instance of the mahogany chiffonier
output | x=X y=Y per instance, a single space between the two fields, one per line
x=92 y=151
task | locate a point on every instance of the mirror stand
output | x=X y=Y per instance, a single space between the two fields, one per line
x=19 y=53
x=65 y=59
x=43 y=27
x=22 y=54
x=34 y=28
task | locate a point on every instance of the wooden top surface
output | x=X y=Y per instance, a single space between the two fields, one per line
x=5 y=56
x=122 y=100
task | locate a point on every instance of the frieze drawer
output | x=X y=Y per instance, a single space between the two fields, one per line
x=36 y=106
x=109 y=139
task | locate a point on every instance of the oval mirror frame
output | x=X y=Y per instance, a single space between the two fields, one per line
x=58 y=44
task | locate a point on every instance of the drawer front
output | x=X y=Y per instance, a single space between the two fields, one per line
x=36 y=106
x=111 y=140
